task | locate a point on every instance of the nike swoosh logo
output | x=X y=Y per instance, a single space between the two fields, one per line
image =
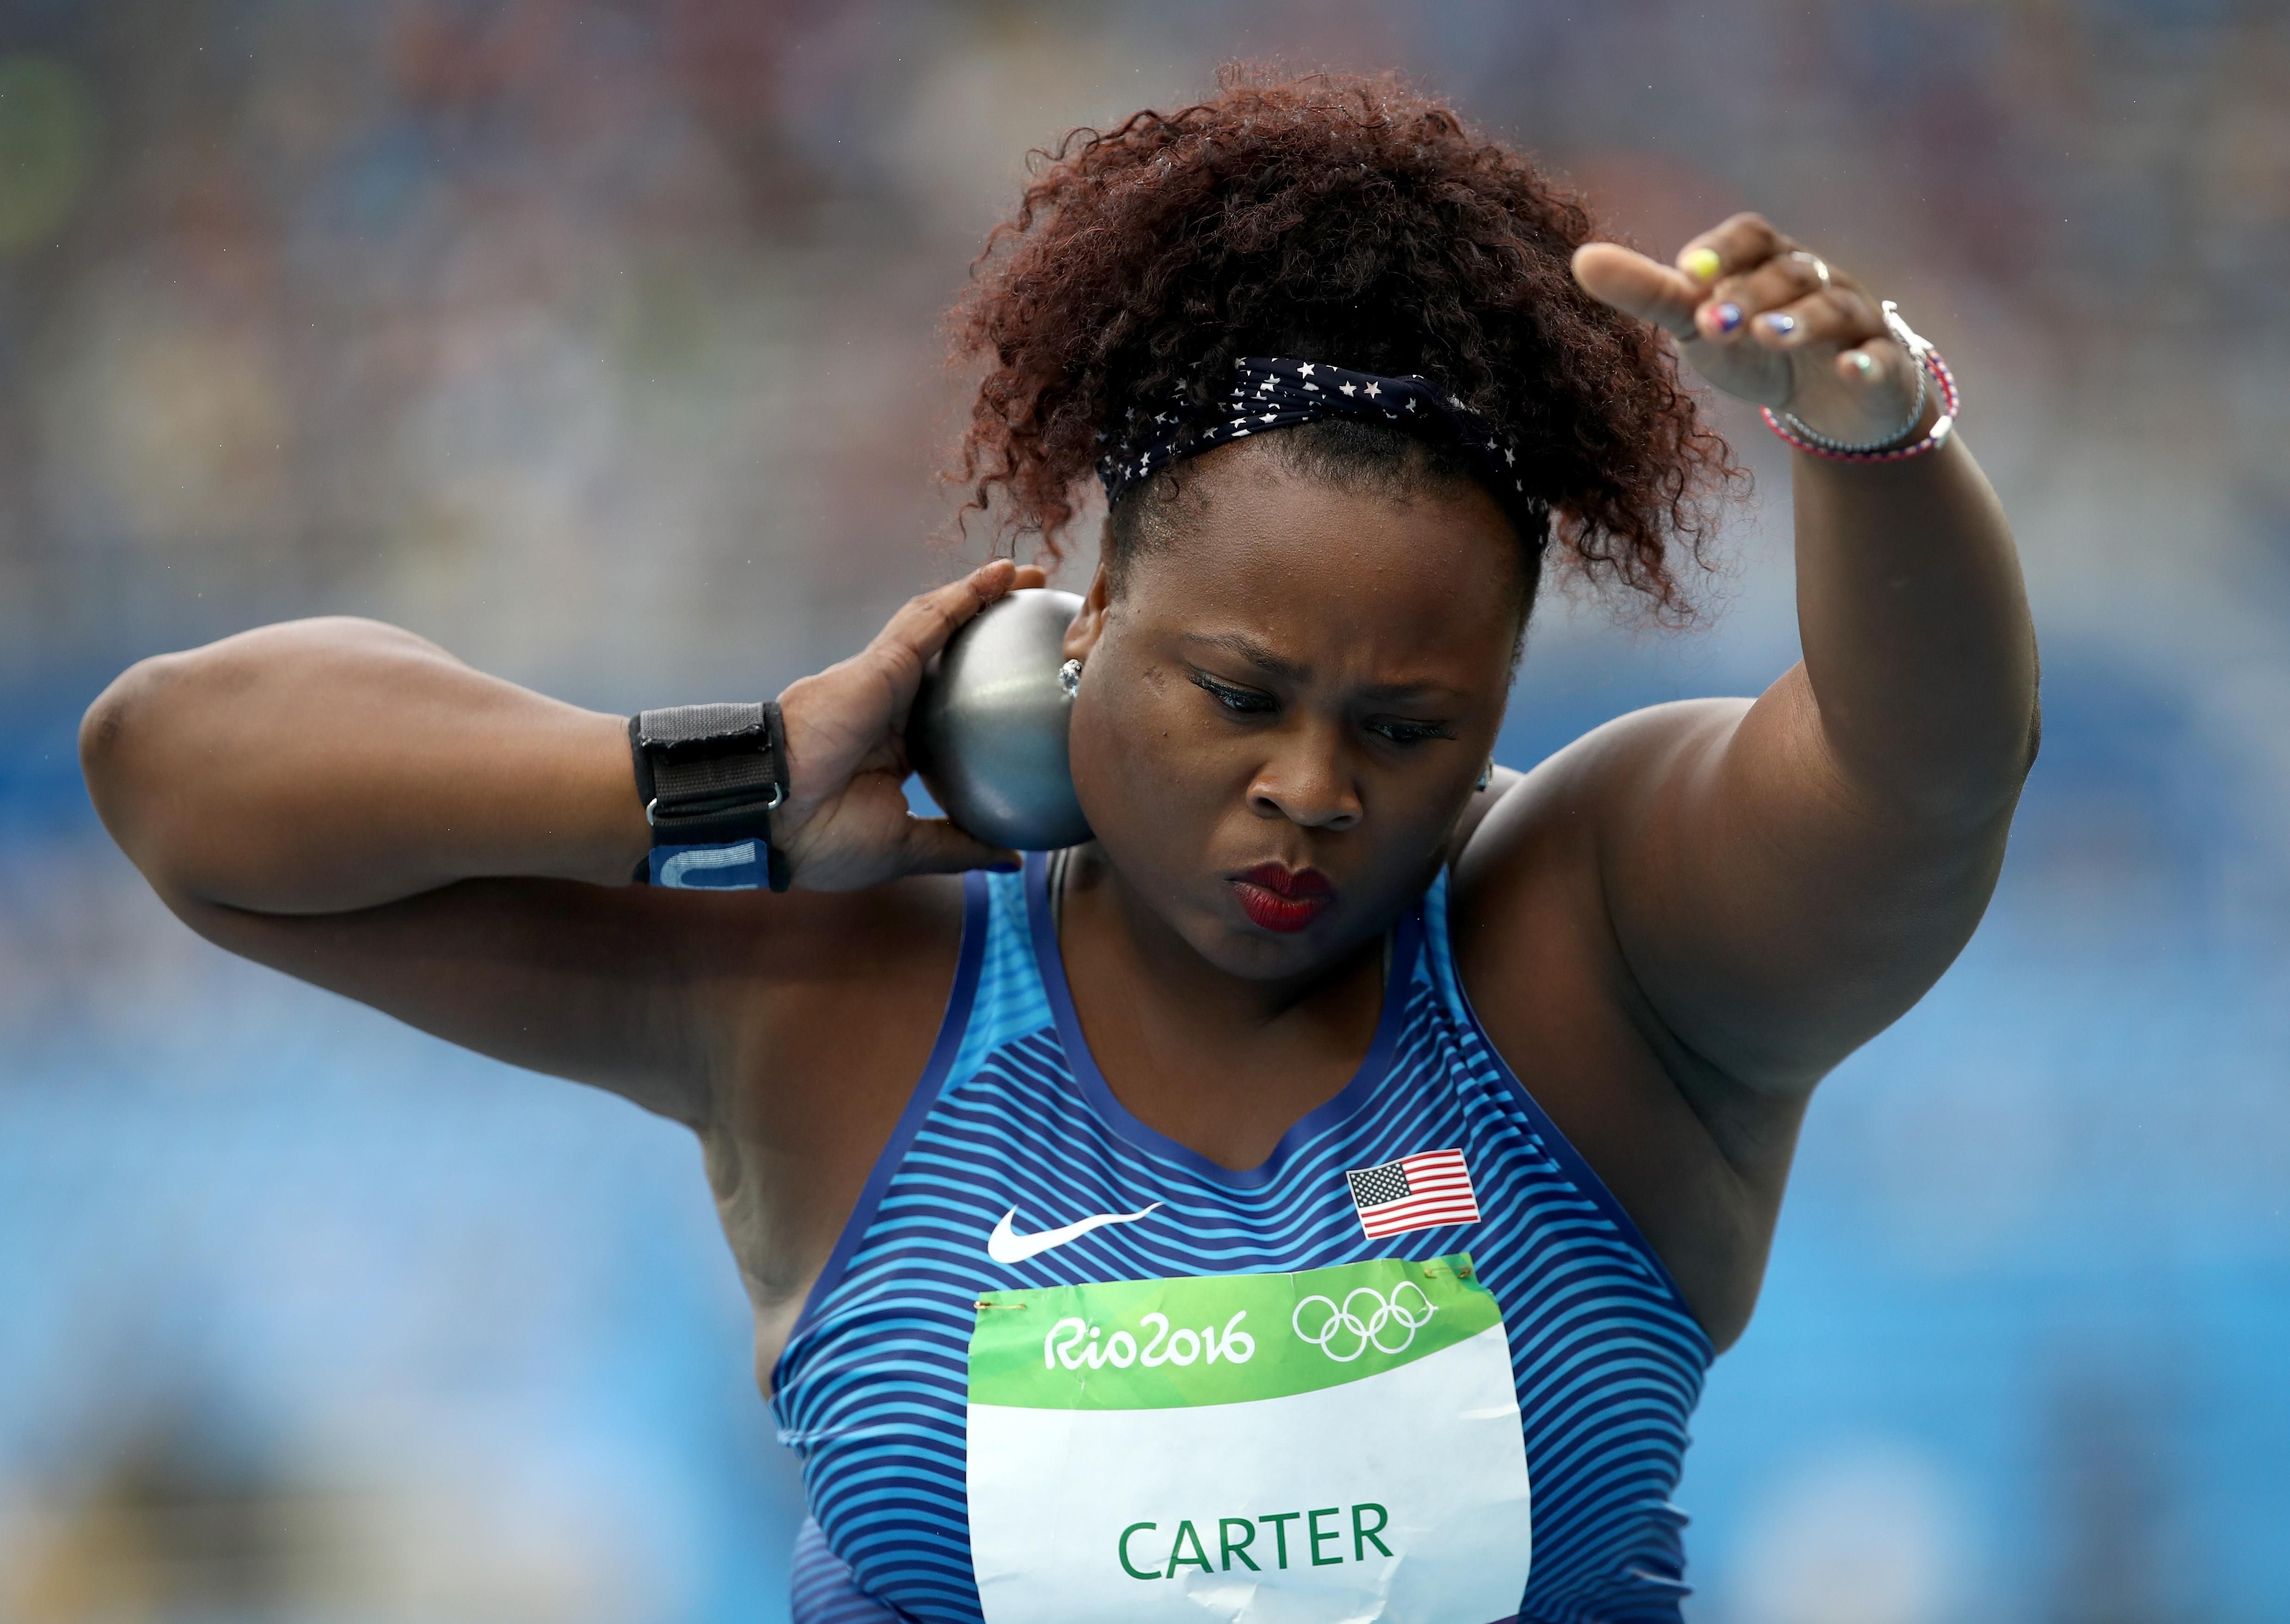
x=1006 y=1245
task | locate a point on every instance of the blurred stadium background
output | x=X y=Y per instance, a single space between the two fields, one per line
x=597 y=341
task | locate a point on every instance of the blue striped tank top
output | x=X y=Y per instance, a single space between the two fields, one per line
x=1012 y=1111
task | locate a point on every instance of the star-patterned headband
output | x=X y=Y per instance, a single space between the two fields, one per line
x=1278 y=392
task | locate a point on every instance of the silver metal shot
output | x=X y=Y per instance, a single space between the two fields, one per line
x=988 y=731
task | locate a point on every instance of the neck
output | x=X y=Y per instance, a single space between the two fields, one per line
x=1225 y=1064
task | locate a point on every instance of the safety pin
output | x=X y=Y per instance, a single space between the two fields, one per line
x=984 y=1304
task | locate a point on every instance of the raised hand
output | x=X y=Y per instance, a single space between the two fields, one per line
x=845 y=823
x=1769 y=321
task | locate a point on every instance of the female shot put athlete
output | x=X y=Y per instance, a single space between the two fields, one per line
x=1320 y=1195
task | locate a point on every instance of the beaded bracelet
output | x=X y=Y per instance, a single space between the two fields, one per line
x=1791 y=428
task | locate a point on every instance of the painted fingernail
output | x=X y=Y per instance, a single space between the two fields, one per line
x=1864 y=363
x=1702 y=264
x=1779 y=321
x=1729 y=316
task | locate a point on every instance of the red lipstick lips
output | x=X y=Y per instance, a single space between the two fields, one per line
x=1281 y=898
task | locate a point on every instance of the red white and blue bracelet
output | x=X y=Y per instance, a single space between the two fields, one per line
x=1929 y=364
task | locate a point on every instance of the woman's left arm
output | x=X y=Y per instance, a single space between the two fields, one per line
x=1785 y=878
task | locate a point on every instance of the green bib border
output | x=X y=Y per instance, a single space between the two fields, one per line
x=1194 y=1340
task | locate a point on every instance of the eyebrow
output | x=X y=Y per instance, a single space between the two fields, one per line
x=1278 y=665
x=1249 y=649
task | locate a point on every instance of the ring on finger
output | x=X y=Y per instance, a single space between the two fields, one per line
x=1820 y=265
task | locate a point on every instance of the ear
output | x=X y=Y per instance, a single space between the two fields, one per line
x=1088 y=623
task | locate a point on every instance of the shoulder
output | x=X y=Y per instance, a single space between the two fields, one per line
x=1537 y=824
x=1532 y=935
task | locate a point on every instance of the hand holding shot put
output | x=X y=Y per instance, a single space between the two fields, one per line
x=1345 y=1147
x=845 y=823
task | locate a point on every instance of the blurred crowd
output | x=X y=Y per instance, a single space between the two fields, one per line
x=559 y=324
x=599 y=341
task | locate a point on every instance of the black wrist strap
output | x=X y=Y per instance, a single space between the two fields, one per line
x=710 y=776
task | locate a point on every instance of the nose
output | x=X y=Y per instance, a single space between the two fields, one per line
x=1306 y=780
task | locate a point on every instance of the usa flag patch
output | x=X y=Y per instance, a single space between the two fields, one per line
x=1416 y=1192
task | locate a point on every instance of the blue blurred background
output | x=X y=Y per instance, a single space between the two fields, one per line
x=597 y=341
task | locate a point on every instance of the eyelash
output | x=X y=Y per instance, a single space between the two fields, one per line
x=1240 y=702
x=1409 y=733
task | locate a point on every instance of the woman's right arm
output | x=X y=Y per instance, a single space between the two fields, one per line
x=349 y=804
x=323 y=766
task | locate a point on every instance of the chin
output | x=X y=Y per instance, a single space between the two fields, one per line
x=1225 y=937
x=1240 y=952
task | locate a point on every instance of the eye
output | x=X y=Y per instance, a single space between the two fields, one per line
x=1242 y=702
x=1401 y=731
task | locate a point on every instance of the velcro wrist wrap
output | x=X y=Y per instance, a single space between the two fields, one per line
x=708 y=776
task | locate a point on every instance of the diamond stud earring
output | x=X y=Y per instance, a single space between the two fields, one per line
x=1069 y=677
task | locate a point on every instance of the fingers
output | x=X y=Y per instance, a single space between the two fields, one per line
x=1874 y=391
x=1760 y=289
x=923 y=625
x=1031 y=575
x=1637 y=286
x=1839 y=315
x=1760 y=285
x=1741 y=281
x=1740 y=244
x=1878 y=364
x=933 y=846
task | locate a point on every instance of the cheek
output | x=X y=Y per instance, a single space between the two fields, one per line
x=1150 y=774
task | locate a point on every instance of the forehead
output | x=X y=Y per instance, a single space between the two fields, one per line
x=1432 y=574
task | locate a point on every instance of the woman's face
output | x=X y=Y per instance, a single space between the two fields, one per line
x=1284 y=710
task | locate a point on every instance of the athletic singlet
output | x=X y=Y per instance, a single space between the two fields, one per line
x=1011 y=1113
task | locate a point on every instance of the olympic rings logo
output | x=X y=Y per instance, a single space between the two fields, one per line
x=1343 y=1328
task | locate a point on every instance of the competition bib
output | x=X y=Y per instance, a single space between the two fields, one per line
x=1339 y=1444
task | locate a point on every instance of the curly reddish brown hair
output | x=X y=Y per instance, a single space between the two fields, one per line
x=1336 y=218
